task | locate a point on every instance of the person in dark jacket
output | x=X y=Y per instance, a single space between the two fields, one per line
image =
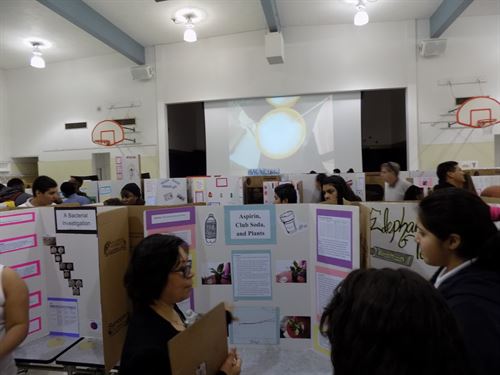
x=449 y=174
x=14 y=191
x=456 y=233
x=158 y=277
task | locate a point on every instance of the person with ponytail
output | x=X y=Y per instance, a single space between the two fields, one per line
x=456 y=233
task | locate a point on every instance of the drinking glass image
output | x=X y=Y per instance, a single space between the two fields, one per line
x=288 y=220
x=210 y=229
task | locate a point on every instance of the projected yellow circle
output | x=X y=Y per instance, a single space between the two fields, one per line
x=283 y=101
x=280 y=133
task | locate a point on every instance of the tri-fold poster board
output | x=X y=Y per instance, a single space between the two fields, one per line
x=277 y=264
x=73 y=260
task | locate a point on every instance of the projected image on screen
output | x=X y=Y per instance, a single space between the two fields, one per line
x=289 y=133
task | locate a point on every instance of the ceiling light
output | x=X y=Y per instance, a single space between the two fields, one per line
x=361 y=17
x=37 y=60
x=190 y=34
x=189 y=17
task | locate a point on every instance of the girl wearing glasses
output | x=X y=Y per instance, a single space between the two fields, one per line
x=159 y=276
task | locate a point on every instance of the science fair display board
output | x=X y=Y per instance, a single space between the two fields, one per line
x=165 y=191
x=393 y=228
x=215 y=191
x=73 y=260
x=277 y=264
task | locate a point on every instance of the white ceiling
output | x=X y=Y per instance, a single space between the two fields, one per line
x=150 y=23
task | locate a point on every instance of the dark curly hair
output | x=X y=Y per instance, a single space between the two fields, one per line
x=392 y=322
x=151 y=262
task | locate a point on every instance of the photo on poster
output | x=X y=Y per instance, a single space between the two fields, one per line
x=217 y=274
x=290 y=223
x=49 y=241
x=291 y=271
x=295 y=327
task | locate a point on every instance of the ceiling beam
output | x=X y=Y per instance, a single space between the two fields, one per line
x=86 y=18
x=271 y=12
x=445 y=15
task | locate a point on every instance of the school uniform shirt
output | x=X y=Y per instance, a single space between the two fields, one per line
x=473 y=294
x=145 y=350
x=29 y=203
x=397 y=191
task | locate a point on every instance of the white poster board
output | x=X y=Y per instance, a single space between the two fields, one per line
x=393 y=228
x=165 y=191
x=218 y=190
x=268 y=261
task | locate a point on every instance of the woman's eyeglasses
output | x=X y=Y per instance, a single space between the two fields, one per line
x=185 y=269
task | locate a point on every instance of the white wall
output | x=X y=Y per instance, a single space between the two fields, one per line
x=320 y=59
x=41 y=101
x=473 y=51
x=317 y=60
x=4 y=126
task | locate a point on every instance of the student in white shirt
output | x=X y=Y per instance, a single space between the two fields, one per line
x=44 y=193
x=395 y=187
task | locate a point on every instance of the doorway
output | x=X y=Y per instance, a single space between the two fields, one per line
x=186 y=139
x=383 y=128
x=101 y=165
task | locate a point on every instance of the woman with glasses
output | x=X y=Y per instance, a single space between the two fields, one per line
x=158 y=277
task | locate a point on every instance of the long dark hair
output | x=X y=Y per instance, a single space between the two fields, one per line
x=151 y=262
x=461 y=212
x=344 y=191
x=391 y=322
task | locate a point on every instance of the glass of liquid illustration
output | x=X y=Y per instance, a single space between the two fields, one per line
x=288 y=220
x=210 y=229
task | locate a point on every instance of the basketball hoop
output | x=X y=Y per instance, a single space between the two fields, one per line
x=102 y=142
x=479 y=112
x=108 y=133
x=484 y=123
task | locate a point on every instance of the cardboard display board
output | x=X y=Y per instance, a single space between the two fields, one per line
x=393 y=228
x=73 y=260
x=202 y=347
x=277 y=264
x=166 y=191
x=217 y=190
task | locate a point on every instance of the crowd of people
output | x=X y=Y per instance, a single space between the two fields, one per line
x=378 y=321
x=46 y=193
